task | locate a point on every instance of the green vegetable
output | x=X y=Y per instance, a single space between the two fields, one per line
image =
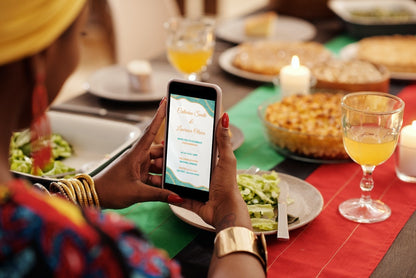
x=20 y=160
x=264 y=224
x=260 y=192
x=259 y=189
x=261 y=211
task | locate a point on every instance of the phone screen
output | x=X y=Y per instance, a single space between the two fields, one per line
x=190 y=143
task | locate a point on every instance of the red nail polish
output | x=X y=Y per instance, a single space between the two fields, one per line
x=225 y=120
x=175 y=199
x=163 y=143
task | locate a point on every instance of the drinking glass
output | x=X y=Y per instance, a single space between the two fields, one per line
x=190 y=45
x=371 y=123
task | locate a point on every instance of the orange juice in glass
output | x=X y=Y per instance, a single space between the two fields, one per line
x=190 y=45
x=371 y=123
x=369 y=145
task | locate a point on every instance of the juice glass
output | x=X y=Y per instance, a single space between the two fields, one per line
x=190 y=45
x=371 y=123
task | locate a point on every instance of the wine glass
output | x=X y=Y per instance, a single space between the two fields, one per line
x=371 y=123
x=190 y=44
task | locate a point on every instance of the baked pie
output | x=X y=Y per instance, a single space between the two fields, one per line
x=307 y=125
x=397 y=52
x=268 y=57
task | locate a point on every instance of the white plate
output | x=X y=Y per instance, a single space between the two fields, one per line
x=286 y=29
x=237 y=137
x=96 y=142
x=112 y=83
x=226 y=63
x=307 y=205
x=350 y=52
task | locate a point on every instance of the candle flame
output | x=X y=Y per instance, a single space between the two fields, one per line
x=295 y=61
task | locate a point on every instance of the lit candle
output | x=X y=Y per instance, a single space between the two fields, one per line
x=295 y=78
x=407 y=151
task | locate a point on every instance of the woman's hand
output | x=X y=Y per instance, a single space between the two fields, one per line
x=225 y=206
x=127 y=180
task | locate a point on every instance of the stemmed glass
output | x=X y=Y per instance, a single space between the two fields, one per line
x=190 y=44
x=371 y=123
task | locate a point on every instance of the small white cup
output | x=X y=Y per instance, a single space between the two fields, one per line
x=140 y=73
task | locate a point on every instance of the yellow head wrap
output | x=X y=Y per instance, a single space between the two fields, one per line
x=29 y=26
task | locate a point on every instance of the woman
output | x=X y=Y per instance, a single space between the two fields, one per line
x=44 y=235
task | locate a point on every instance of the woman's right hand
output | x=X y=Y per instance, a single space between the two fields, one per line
x=225 y=207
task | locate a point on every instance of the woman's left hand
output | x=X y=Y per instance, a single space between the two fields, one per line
x=128 y=179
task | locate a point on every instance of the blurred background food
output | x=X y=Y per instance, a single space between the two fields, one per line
x=351 y=75
x=260 y=25
x=397 y=52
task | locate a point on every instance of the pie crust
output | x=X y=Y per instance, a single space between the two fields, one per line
x=268 y=57
x=397 y=52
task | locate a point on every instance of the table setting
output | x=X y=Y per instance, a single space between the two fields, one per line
x=318 y=173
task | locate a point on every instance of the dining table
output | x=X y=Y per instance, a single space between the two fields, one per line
x=327 y=246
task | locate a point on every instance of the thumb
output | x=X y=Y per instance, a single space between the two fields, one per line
x=223 y=136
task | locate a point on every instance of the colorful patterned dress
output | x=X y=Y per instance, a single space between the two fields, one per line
x=43 y=236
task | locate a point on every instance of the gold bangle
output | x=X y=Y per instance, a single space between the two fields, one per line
x=88 y=181
x=68 y=185
x=74 y=189
x=80 y=186
x=57 y=189
x=240 y=239
x=66 y=190
x=62 y=190
x=89 y=196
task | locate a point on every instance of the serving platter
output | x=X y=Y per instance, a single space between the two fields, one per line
x=307 y=205
x=382 y=23
x=96 y=142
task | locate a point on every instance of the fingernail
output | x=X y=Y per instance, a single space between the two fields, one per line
x=162 y=100
x=163 y=143
x=225 y=120
x=175 y=199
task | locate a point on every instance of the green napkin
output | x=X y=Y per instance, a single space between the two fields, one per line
x=255 y=149
x=336 y=44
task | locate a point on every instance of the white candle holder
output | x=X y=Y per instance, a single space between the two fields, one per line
x=406 y=163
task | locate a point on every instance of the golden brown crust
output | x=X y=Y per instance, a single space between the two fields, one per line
x=268 y=57
x=308 y=125
x=397 y=52
x=351 y=75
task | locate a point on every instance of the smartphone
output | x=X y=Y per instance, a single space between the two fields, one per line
x=190 y=152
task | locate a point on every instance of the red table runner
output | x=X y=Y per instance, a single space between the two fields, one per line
x=331 y=246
